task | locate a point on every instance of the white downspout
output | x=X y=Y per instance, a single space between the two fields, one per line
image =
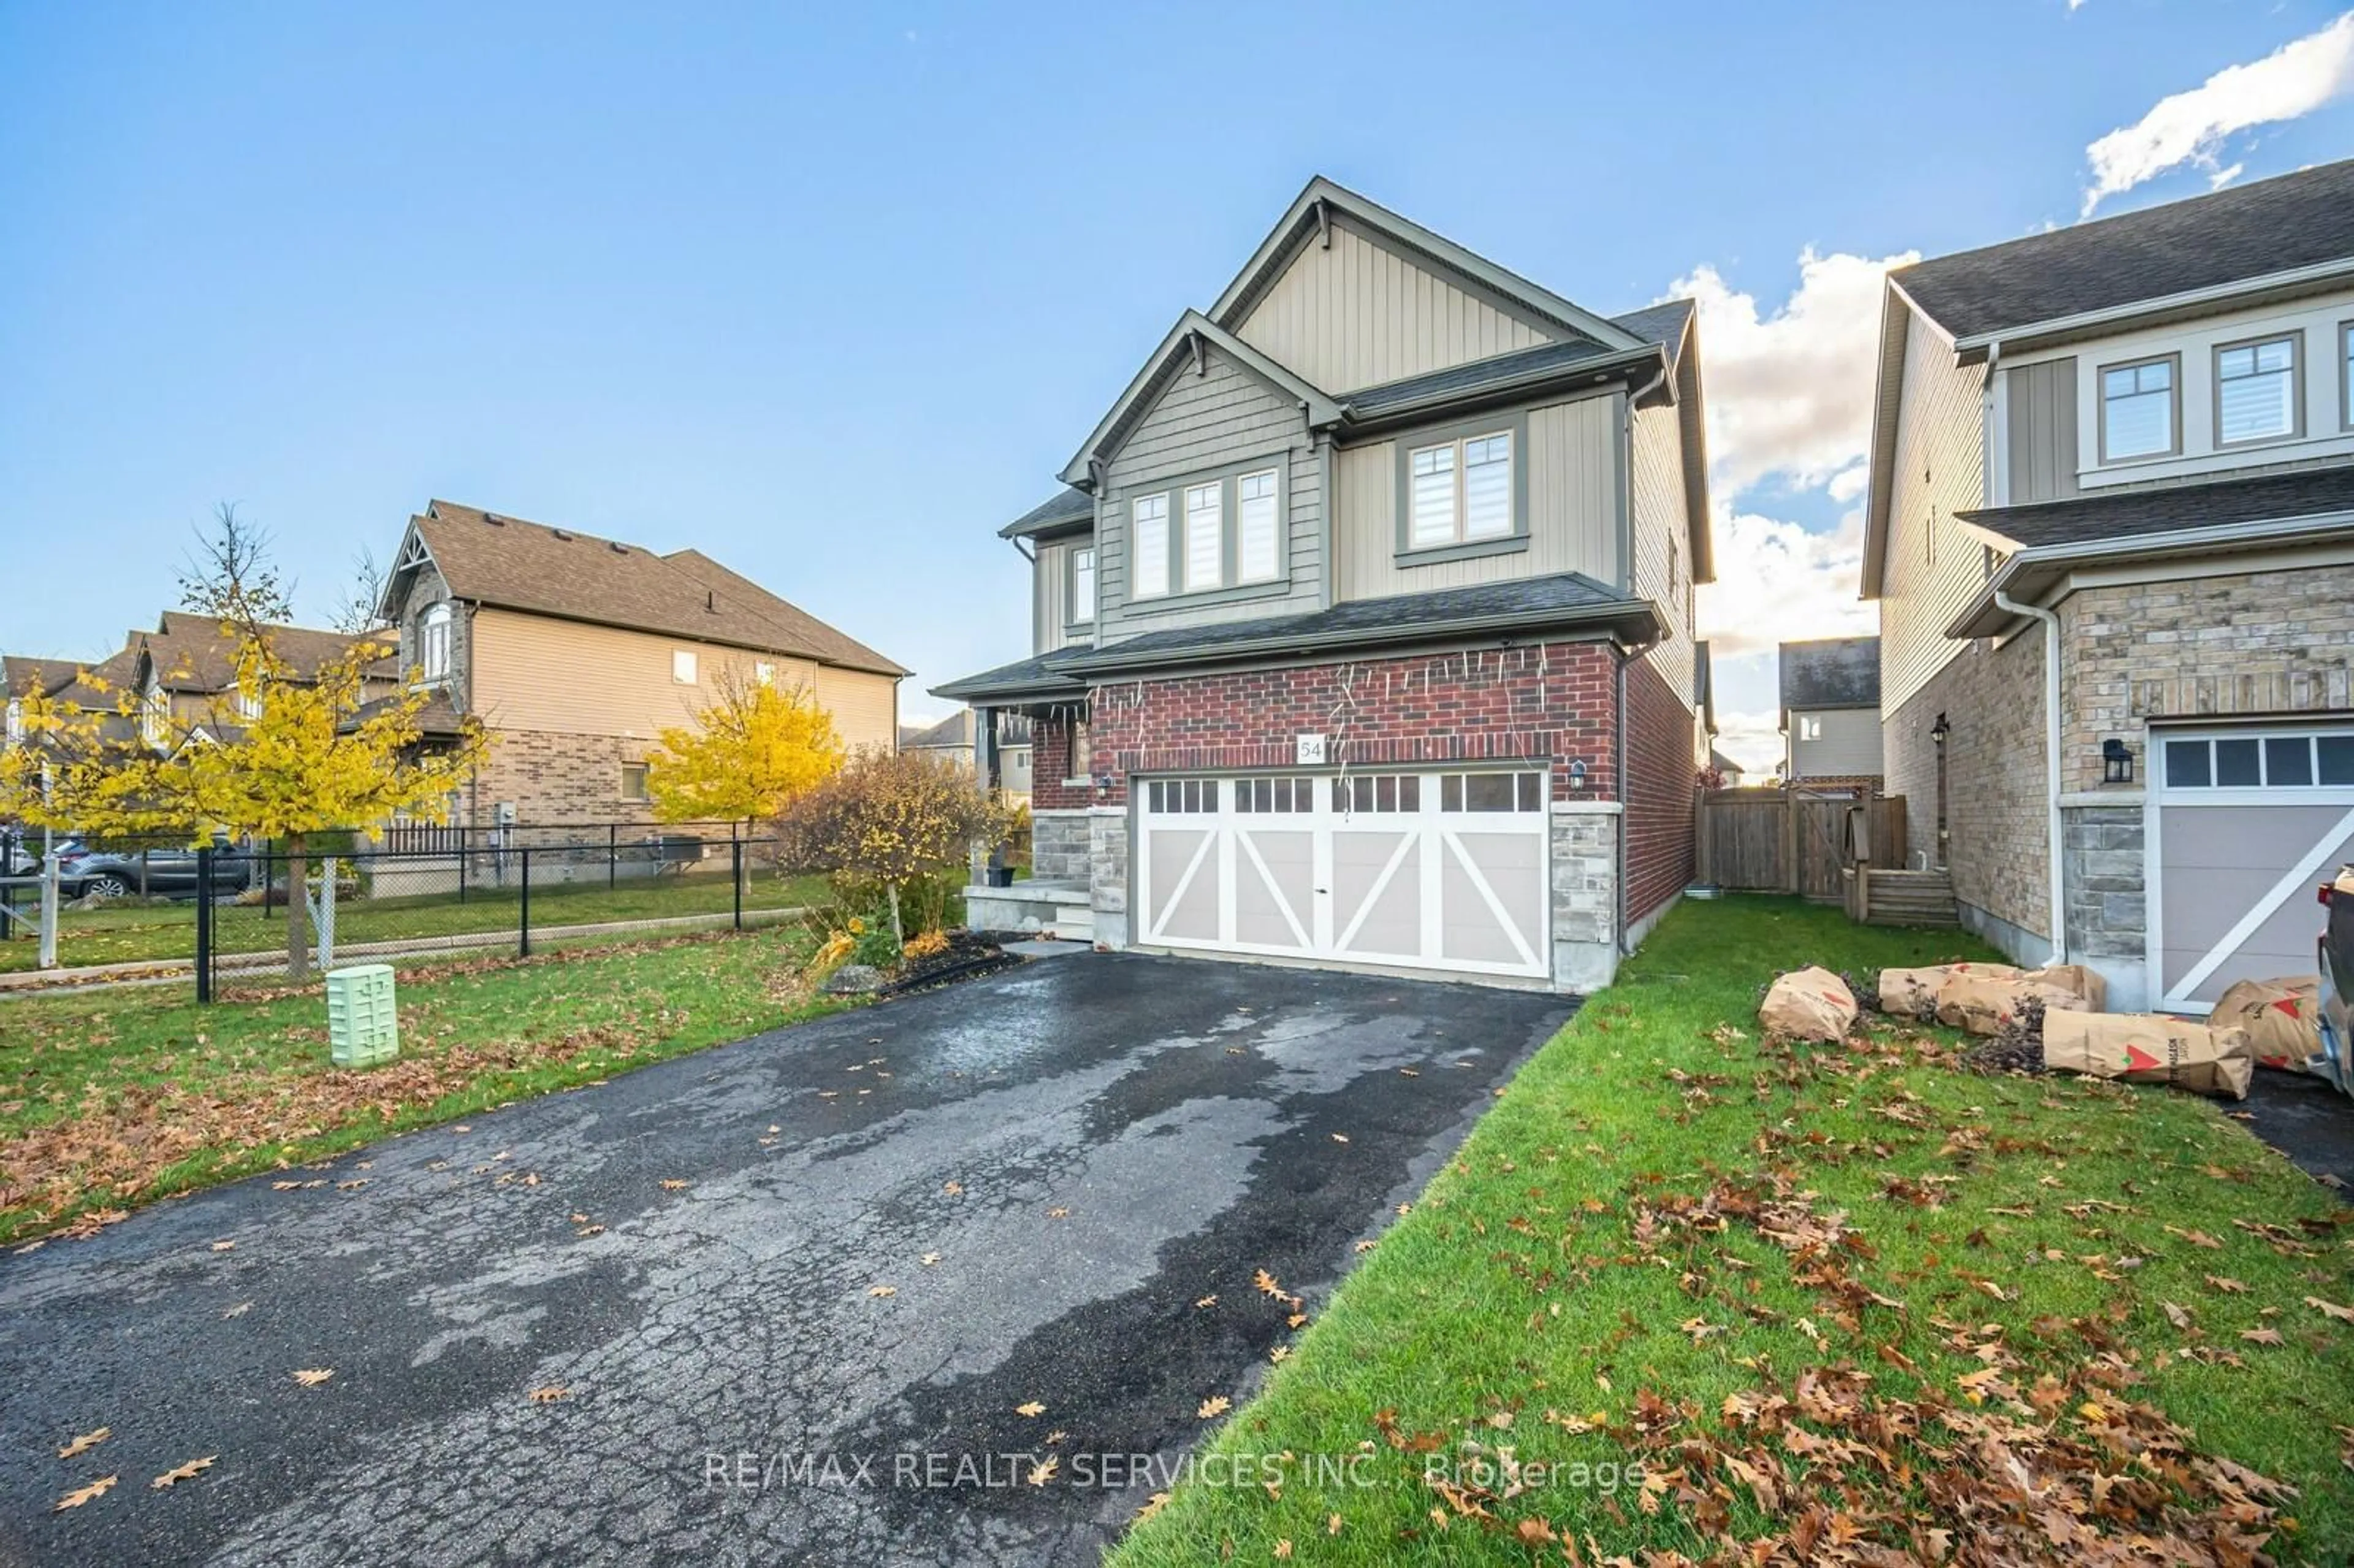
x=2010 y=605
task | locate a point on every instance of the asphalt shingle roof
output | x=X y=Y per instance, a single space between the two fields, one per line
x=1834 y=672
x=2234 y=234
x=2122 y=515
x=518 y=564
x=190 y=654
x=1060 y=510
x=21 y=676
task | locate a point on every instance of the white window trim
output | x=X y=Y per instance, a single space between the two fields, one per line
x=1214 y=516
x=1082 y=606
x=2172 y=359
x=684 y=666
x=2346 y=376
x=16 y=732
x=764 y=672
x=1511 y=428
x=434 y=631
x=2296 y=431
x=645 y=781
x=1274 y=573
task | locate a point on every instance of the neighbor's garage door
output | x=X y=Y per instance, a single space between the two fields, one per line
x=1440 y=870
x=2249 y=822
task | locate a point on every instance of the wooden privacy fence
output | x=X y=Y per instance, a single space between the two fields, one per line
x=1793 y=841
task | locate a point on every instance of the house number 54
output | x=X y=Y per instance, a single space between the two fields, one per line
x=1310 y=749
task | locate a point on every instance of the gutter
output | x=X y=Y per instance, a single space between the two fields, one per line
x=1600 y=369
x=1293 y=641
x=2050 y=761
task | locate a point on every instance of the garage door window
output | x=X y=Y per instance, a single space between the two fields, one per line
x=1264 y=796
x=1182 y=796
x=1491 y=792
x=2267 y=762
x=1377 y=792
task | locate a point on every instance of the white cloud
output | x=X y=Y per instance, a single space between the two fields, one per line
x=1754 y=739
x=2189 y=127
x=1789 y=392
x=1776 y=582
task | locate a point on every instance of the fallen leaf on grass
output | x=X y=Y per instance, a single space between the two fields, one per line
x=1280 y=1353
x=85 y=1442
x=1365 y=1245
x=178 y=1473
x=2262 y=1335
x=882 y=1290
x=1332 y=1525
x=2196 y=1238
x=312 y=1377
x=1152 y=1505
x=2343 y=1314
x=2178 y=1316
x=1283 y=1549
x=81 y=1495
x=2228 y=1285
x=1031 y=1409
x=1215 y=1406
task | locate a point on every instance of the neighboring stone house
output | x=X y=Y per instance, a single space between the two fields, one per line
x=1830 y=713
x=574 y=652
x=1363 y=628
x=953 y=737
x=2130 y=443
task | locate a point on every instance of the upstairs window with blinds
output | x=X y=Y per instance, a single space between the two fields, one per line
x=1204 y=535
x=1083 y=585
x=2139 y=412
x=1149 y=548
x=433 y=643
x=2255 y=391
x=1257 y=552
x=1459 y=491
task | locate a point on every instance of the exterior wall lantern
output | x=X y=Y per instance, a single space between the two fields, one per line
x=1940 y=730
x=2117 y=761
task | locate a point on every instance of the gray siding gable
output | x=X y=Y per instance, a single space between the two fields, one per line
x=1218 y=421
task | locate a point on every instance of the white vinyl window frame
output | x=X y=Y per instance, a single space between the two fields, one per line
x=16 y=722
x=2128 y=381
x=1082 y=607
x=249 y=705
x=1205 y=536
x=433 y=636
x=2346 y=376
x=2242 y=363
x=633 y=784
x=1259 y=526
x=683 y=666
x=1148 y=574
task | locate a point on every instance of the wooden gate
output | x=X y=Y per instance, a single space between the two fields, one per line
x=1794 y=840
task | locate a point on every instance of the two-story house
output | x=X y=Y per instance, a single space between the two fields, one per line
x=1364 y=623
x=2111 y=530
x=184 y=673
x=1830 y=713
x=575 y=653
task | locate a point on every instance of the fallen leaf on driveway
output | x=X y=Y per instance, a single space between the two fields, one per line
x=953 y=1189
x=1043 y=1472
x=1364 y=1246
x=1152 y=1505
x=1280 y=1353
x=1339 y=1137
x=85 y=1442
x=1207 y=1301
x=312 y=1377
x=1216 y=1405
x=1058 y=1213
x=178 y=1473
x=882 y=1290
x=549 y=1394
x=81 y=1495
x=224 y=1246
x=928 y=1259
x=239 y=1310
x=1031 y=1409
x=672 y=1184
x=590 y=1231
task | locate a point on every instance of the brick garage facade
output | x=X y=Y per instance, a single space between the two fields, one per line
x=1997 y=811
x=1554 y=704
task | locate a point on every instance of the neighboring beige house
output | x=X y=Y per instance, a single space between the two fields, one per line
x=1361 y=622
x=184 y=673
x=574 y=652
x=1830 y=713
x=954 y=738
x=2129 y=443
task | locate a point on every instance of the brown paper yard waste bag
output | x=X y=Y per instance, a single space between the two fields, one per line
x=1809 y=1004
x=2144 y=1049
x=1912 y=993
x=2282 y=1018
x=1981 y=1002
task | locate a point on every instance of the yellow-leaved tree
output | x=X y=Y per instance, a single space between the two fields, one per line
x=753 y=752
x=285 y=755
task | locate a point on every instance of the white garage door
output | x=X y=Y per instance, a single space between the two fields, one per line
x=1442 y=871
x=2248 y=823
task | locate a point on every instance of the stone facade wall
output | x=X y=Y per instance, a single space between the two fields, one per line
x=2260 y=642
x=1584 y=898
x=1998 y=813
x=1108 y=860
x=2101 y=868
x=557 y=779
x=1059 y=846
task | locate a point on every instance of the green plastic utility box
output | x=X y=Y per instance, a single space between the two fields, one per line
x=363 y=1027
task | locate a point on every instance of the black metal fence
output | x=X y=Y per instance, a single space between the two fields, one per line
x=417 y=895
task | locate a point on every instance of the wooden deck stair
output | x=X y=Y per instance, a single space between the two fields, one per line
x=1909 y=899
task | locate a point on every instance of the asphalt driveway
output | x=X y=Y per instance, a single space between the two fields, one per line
x=793 y=1290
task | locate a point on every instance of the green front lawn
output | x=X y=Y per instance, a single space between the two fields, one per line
x=1821 y=1295
x=114 y=1099
x=148 y=931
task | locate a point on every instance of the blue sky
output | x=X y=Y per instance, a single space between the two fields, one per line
x=831 y=295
